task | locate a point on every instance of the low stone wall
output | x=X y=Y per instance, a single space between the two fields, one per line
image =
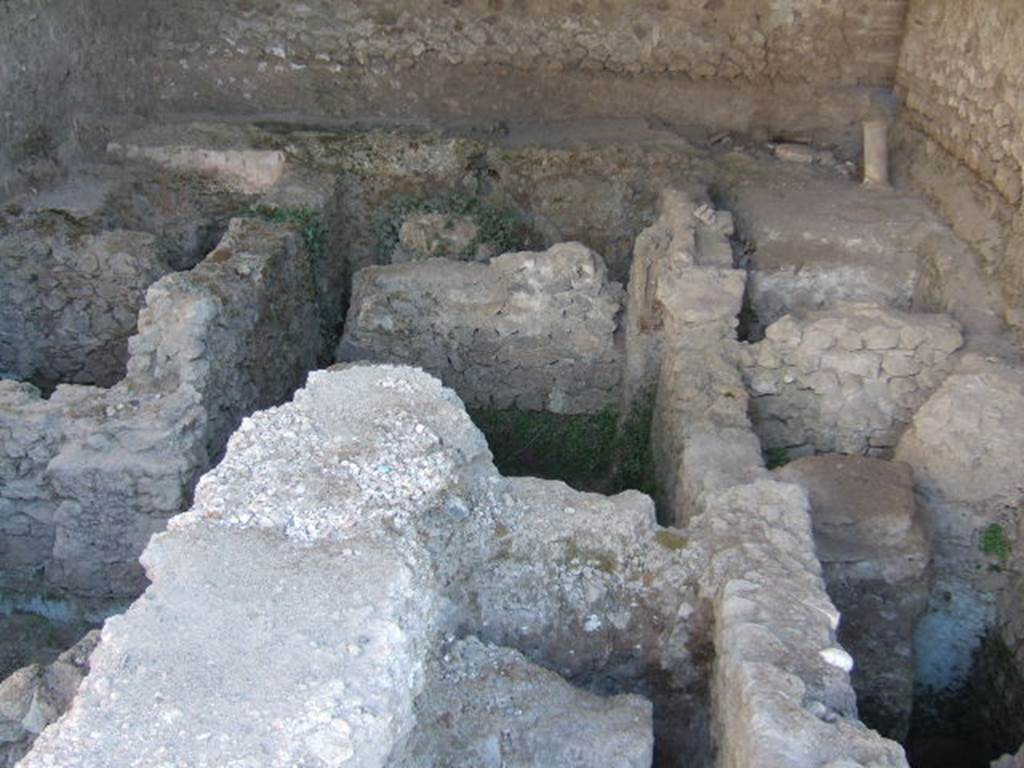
x=533 y=331
x=846 y=380
x=91 y=474
x=777 y=660
x=71 y=298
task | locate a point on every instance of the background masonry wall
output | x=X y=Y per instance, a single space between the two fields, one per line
x=961 y=135
x=791 y=66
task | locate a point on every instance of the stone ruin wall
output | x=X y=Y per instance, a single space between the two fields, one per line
x=846 y=380
x=961 y=134
x=533 y=331
x=374 y=477
x=95 y=472
x=540 y=58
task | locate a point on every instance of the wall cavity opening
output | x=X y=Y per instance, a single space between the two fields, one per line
x=601 y=452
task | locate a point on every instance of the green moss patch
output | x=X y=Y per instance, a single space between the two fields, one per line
x=307 y=221
x=994 y=542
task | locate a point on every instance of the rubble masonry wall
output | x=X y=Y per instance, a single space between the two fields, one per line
x=533 y=331
x=960 y=139
x=71 y=300
x=846 y=380
x=762 y=576
x=90 y=474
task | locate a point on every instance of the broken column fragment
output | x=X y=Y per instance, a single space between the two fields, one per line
x=875 y=556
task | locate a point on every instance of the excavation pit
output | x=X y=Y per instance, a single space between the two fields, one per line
x=581 y=595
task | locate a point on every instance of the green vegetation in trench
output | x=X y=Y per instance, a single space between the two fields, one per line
x=496 y=226
x=776 y=457
x=307 y=221
x=591 y=452
x=994 y=542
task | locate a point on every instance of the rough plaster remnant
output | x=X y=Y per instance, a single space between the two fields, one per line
x=71 y=298
x=847 y=380
x=875 y=556
x=248 y=170
x=90 y=474
x=527 y=330
x=35 y=696
x=978 y=412
x=488 y=706
x=374 y=477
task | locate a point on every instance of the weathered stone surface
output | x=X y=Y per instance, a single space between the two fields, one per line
x=960 y=131
x=875 y=557
x=822 y=242
x=1010 y=761
x=92 y=474
x=846 y=380
x=249 y=170
x=781 y=690
x=438 y=235
x=529 y=330
x=489 y=707
x=966 y=445
x=71 y=299
x=253 y=572
x=35 y=696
